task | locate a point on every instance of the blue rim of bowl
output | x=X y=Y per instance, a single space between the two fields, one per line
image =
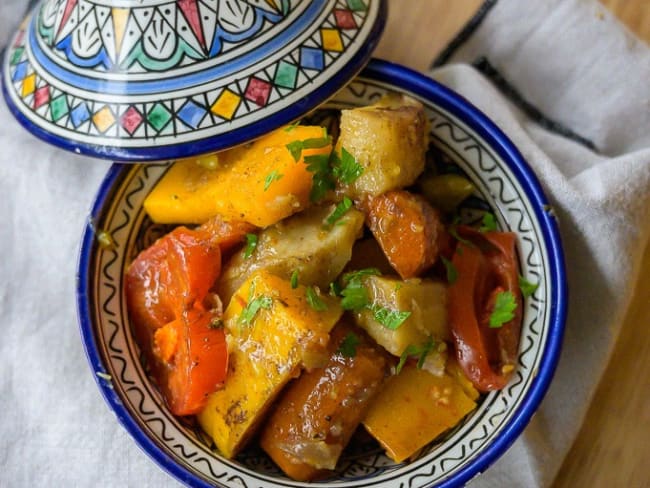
x=419 y=84
x=222 y=141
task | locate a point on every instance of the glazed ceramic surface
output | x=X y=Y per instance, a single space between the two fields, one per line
x=151 y=79
x=466 y=141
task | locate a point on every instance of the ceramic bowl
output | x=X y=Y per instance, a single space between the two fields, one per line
x=466 y=140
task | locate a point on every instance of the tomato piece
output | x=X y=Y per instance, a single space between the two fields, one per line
x=485 y=266
x=166 y=287
x=171 y=275
x=189 y=361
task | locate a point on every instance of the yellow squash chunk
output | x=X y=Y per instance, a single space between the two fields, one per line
x=414 y=408
x=267 y=349
x=259 y=183
x=425 y=299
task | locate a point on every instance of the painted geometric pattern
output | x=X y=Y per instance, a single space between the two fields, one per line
x=171 y=118
x=153 y=36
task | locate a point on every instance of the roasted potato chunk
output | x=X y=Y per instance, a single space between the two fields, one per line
x=389 y=140
x=302 y=243
x=426 y=302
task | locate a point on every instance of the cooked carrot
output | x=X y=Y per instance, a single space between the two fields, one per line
x=319 y=412
x=409 y=231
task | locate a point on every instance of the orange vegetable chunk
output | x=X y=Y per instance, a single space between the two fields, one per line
x=260 y=183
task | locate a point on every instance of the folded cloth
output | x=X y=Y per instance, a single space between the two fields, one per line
x=569 y=86
x=590 y=152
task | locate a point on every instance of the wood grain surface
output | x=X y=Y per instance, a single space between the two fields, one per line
x=613 y=447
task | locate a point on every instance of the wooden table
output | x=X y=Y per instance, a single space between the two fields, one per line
x=613 y=446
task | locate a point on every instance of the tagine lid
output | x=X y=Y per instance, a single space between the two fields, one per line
x=152 y=80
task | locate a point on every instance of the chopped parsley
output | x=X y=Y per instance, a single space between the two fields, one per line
x=254 y=305
x=322 y=179
x=294 y=279
x=271 y=177
x=314 y=300
x=527 y=288
x=503 y=311
x=391 y=319
x=339 y=212
x=292 y=126
x=348 y=346
x=346 y=168
x=251 y=245
x=296 y=147
x=452 y=272
x=421 y=352
x=355 y=295
x=489 y=223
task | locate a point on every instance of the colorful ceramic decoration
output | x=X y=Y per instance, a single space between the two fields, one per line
x=161 y=79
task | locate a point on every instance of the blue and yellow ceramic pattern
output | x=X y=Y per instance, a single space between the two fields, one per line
x=160 y=79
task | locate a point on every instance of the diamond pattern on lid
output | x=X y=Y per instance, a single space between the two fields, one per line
x=226 y=105
x=311 y=58
x=20 y=72
x=285 y=75
x=79 y=115
x=131 y=120
x=159 y=117
x=191 y=114
x=357 y=5
x=17 y=54
x=29 y=85
x=104 y=119
x=59 y=107
x=331 y=40
x=42 y=96
x=344 y=19
x=258 y=91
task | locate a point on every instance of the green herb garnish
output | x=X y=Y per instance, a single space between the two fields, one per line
x=314 y=300
x=355 y=297
x=452 y=272
x=292 y=126
x=271 y=177
x=527 y=288
x=346 y=168
x=255 y=305
x=296 y=147
x=251 y=245
x=503 y=311
x=322 y=180
x=421 y=352
x=294 y=279
x=348 y=346
x=489 y=223
x=339 y=212
x=391 y=319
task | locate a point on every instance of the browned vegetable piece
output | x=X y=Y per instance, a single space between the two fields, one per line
x=366 y=253
x=408 y=229
x=318 y=413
